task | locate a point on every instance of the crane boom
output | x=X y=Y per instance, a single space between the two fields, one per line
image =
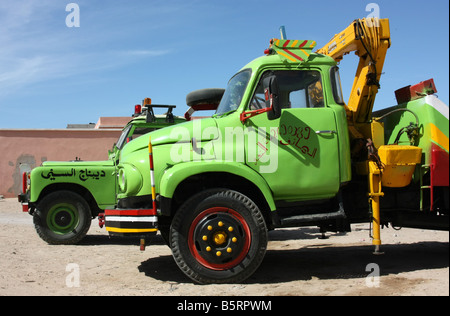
x=369 y=39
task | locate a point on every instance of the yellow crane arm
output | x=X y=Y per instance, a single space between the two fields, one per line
x=369 y=39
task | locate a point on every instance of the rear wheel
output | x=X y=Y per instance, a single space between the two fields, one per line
x=218 y=236
x=62 y=217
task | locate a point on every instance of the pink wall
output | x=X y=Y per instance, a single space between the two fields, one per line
x=24 y=149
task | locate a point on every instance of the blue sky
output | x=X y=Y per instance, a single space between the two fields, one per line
x=52 y=75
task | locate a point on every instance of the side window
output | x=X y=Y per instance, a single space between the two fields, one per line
x=298 y=89
x=337 y=87
x=258 y=100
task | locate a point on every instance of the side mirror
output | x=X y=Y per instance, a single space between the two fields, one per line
x=271 y=94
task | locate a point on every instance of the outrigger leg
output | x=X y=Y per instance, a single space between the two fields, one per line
x=375 y=192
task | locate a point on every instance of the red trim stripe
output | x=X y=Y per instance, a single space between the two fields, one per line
x=151 y=161
x=303 y=44
x=286 y=43
x=293 y=55
x=143 y=212
x=24 y=182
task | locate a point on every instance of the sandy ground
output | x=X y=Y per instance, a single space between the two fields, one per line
x=297 y=263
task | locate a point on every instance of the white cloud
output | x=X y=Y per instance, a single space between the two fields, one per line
x=19 y=71
x=22 y=38
x=36 y=46
x=141 y=52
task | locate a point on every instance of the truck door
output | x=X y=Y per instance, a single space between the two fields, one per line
x=303 y=141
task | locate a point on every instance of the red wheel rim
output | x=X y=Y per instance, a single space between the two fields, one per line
x=219 y=238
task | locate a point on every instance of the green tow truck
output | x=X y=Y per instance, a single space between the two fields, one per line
x=285 y=150
x=64 y=197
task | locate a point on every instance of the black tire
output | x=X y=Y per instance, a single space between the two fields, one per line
x=205 y=96
x=62 y=218
x=218 y=236
x=164 y=231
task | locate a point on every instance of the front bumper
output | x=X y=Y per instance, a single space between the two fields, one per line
x=131 y=222
x=23 y=198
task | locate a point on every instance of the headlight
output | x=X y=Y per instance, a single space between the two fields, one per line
x=122 y=180
x=129 y=179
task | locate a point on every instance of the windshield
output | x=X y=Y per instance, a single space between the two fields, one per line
x=233 y=94
x=123 y=137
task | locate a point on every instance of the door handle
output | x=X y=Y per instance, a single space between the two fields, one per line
x=326 y=132
x=195 y=148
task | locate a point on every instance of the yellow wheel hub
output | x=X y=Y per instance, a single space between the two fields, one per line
x=220 y=238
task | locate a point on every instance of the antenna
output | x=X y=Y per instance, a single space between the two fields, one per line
x=283 y=32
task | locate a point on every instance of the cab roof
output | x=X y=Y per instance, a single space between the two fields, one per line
x=293 y=52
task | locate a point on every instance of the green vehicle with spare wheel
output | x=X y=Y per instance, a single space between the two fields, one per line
x=64 y=197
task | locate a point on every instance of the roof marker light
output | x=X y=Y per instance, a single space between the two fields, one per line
x=137 y=109
x=147 y=101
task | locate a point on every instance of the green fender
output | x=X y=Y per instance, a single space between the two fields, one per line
x=176 y=174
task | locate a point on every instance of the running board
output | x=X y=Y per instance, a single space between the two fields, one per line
x=300 y=220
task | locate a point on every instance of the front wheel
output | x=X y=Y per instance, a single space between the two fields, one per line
x=62 y=217
x=218 y=236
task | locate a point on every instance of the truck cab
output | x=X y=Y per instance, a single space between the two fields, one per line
x=309 y=126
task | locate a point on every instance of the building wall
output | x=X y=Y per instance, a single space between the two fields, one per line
x=23 y=149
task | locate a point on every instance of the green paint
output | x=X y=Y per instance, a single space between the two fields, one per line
x=97 y=177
